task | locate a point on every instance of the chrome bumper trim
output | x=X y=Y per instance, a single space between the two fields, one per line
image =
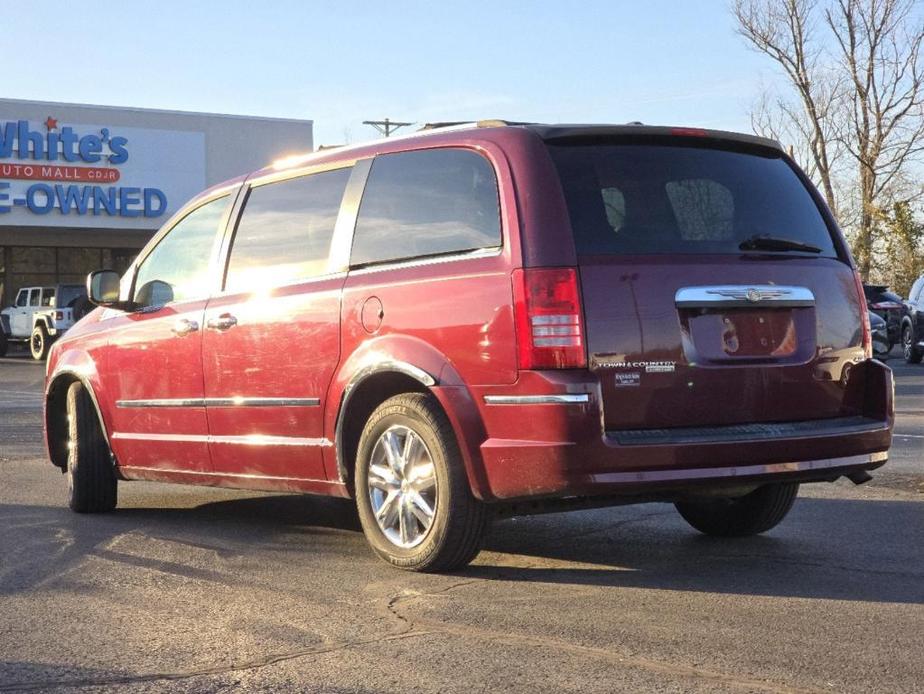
x=565 y=399
x=738 y=471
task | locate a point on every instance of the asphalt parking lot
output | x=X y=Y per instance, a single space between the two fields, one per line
x=188 y=589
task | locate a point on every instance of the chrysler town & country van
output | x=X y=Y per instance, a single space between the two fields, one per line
x=481 y=319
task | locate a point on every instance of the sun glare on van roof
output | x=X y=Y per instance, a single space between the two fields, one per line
x=290 y=161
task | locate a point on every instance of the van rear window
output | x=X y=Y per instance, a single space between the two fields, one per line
x=654 y=198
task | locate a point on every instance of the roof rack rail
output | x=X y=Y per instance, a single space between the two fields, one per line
x=443 y=124
x=484 y=123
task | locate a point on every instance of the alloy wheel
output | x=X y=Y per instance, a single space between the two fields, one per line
x=402 y=486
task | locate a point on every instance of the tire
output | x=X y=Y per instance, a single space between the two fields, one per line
x=911 y=353
x=457 y=521
x=750 y=514
x=4 y=344
x=39 y=342
x=91 y=480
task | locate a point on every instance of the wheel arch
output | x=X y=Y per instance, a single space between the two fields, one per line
x=386 y=376
x=56 y=424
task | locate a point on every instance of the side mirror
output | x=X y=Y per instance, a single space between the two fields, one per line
x=103 y=289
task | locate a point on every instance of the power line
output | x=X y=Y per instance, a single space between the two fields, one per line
x=386 y=127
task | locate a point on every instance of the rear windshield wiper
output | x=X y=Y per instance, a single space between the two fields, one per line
x=765 y=242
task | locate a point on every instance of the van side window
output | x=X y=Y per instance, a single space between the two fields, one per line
x=178 y=267
x=427 y=203
x=285 y=231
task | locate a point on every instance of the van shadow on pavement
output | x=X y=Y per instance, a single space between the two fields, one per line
x=862 y=550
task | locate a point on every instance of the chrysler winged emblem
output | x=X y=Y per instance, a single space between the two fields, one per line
x=750 y=294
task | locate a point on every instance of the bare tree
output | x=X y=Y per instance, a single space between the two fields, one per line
x=785 y=31
x=860 y=87
x=784 y=120
x=880 y=51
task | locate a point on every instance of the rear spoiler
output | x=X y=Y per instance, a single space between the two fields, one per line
x=552 y=133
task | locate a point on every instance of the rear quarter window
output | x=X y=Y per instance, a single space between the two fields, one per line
x=426 y=203
x=667 y=198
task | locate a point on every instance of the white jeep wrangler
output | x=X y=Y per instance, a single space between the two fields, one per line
x=40 y=315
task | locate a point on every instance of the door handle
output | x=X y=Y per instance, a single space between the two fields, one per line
x=184 y=326
x=222 y=322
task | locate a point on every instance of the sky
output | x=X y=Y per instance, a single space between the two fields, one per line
x=676 y=62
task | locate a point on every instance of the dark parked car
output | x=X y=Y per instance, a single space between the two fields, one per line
x=913 y=323
x=888 y=306
x=486 y=318
x=880 y=334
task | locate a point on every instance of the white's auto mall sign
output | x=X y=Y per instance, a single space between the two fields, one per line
x=54 y=173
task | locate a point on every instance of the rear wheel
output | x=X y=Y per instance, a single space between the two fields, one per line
x=912 y=353
x=750 y=514
x=412 y=493
x=91 y=481
x=39 y=342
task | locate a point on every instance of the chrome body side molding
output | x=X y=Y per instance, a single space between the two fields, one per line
x=560 y=399
x=247 y=440
x=221 y=402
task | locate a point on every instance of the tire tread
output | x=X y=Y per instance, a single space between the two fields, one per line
x=94 y=485
x=752 y=514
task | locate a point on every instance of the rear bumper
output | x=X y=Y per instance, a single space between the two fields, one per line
x=556 y=448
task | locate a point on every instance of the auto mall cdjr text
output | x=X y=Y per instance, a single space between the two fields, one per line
x=55 y=160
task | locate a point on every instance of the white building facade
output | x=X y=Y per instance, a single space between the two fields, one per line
x=84 y=187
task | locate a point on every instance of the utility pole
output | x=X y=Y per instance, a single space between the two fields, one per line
x=386 y=127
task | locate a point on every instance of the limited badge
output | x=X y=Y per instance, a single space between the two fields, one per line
x=626 y=379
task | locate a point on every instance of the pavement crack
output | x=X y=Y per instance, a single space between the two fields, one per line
x=566 y=539
x=674 y=670
x=423 y=626
x=256 y=663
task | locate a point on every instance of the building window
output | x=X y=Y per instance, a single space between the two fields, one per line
x=44 y=266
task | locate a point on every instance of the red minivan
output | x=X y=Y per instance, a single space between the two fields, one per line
x=482 y=319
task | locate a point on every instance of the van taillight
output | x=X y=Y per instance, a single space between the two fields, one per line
x=547 y=310
x=864 y=317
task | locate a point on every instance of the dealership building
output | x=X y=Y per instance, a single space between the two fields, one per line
x=84 y=187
